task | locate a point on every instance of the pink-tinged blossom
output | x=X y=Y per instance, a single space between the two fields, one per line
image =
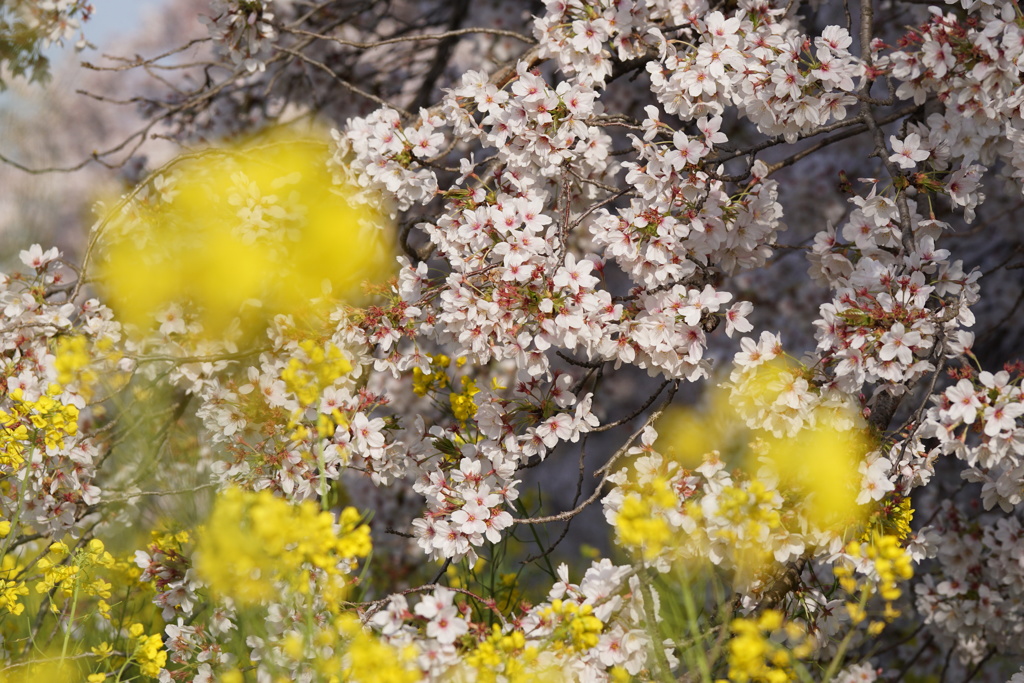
x=1002 y=417
x=471 y=518
x=447 y=626
x=963 y=402
x=876 y=482
x=709 y=127
x=496 y=523
x=391 y=619
x=736 y=318
x=899 y=344
x=907 y=153
x=366 y=433
x=575 y=275
x=556 y=428
x=431 y=605
x=590 y=35
x=35 y=257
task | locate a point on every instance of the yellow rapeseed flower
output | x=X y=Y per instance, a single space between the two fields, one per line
x=253 y=541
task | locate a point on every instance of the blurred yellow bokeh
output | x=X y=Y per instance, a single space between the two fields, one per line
x=234 y=236
x=815 y=461
x=820 y=464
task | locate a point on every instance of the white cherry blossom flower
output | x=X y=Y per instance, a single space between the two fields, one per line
x=907 y=153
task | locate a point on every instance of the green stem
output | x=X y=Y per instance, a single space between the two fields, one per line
x=15 y=523
x=71 y=620
x=120 y=672
x=654 y=632
x=691 y=618
x=837 y=661
x=324 y=491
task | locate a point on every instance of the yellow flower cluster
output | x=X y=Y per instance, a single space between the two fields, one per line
x=12 y=589
x=68 y=576
x=370 y=660
x=893 y=516
x=750 y=505
x=892 y=564
x=640 y=523
x=764 y=650
x=72 y=360
x=45 y=421
x=576 y=626
x=462 y=403
x=900 y=517
x=505 y=657
x=321 y=366
x=255 y=540
x=815 y=451
x=149 y=653
x=169 y=542
x=424 y=382
x=751 y=511
x=820 y=465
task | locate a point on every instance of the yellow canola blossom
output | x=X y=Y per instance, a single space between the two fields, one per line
x=251 y=231
x=25 y=423
x=149 y=652
x=368 y=659
x=640 y=524
x=11 y=588
x=507 y=658
x=576 y=626
x=752 y=513
x=462 y=402
x=423 y=382
x=317 y=368
x=463 y=405
x=892 y=565
x=253 y=541
x=892 y=516
x=67 y=576
x=765 y=650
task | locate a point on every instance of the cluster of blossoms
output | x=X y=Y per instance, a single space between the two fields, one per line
x=782 y=81
x=472 y=479
x=46 y=21
x=778 y=78
x=991 y=406
x=387 y=161
x=972 y=597
x=973 y=66
x=48 y=462
x=166 y=564
x=584 y=631
x=551 y=250
x=888 y=310
x=244 y=29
